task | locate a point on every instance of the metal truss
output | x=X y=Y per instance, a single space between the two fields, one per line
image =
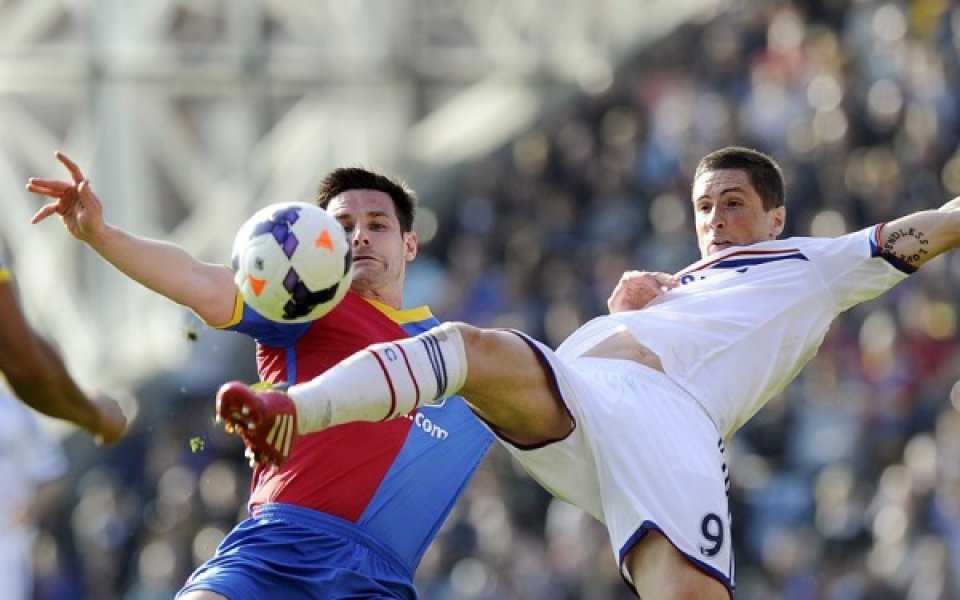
x=189 y=114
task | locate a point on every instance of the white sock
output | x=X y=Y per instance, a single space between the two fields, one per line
x=383 y=381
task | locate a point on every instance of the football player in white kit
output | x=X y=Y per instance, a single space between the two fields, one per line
x=627 y=418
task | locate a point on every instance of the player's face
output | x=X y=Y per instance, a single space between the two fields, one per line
x=381 y=249
x=729 y=212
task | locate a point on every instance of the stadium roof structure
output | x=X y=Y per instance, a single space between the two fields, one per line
x=188 y=115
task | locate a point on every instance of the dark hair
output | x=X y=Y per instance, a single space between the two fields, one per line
x=764 y=172
x=345 y=179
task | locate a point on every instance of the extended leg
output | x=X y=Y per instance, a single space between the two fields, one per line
x=496 y=371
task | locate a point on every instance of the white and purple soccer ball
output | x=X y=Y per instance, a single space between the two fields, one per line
x=292 y=262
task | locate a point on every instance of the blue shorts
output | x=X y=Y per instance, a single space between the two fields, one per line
x=287 y=552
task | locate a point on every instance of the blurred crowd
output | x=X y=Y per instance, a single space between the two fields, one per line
x=846 y=487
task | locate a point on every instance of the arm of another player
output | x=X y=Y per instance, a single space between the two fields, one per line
x=161 y=266
x=921 y=236
x=40 y=379
x=636 y=289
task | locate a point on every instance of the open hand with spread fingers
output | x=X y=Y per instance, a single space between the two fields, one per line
x=73 y=199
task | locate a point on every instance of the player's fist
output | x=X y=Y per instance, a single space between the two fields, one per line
x=111 y=422
x=636 y=289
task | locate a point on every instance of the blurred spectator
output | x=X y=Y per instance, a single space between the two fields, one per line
x=860 y=103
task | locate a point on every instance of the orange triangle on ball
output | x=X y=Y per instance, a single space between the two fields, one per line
x=324 y=240
x=257 y=285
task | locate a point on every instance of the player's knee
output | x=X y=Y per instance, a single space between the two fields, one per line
x=686 y=584
x=473 y=337
x=486 y=346
x=660 y=571
x=201 y=595
x=700 y=586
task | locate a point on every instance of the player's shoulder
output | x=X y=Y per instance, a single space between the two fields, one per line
x=860 y=238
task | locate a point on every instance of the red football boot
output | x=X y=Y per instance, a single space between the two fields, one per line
x=265 y=418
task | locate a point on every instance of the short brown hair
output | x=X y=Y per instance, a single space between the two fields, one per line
x=345 y=179
x=764 y=172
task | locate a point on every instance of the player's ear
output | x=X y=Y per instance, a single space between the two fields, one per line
x=410 y=245
x=779 y=220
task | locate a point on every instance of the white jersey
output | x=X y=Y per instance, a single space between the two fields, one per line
x=29 y=457
x=746 y=320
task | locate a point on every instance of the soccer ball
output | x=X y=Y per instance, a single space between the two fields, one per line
x=292 y=262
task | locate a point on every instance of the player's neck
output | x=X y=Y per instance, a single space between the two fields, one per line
x=391 y=300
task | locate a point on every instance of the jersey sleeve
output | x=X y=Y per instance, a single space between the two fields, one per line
x=261 y=329
x=853 y=267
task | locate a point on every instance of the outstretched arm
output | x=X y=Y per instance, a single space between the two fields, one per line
x=39 y=378
x=163 y=267
x=923 y=235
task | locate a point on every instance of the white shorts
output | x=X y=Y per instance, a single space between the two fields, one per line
x=643 y=455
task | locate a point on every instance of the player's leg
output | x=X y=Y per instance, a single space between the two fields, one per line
x=510 y=386
x=384 y=381
x=497 y=371
x=201 y=595
x=660 y=571
x=661 y=475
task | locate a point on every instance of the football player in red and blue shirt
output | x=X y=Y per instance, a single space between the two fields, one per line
x=352 y=511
